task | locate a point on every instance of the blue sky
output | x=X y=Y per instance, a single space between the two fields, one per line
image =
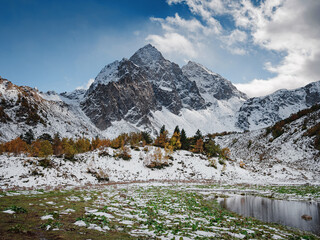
x=60 y=45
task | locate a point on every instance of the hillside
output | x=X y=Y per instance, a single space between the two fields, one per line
x=293 y=142
x=102 y=166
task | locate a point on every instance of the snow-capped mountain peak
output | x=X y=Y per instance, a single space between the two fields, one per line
x=193 y=66
x=211 y=85
x=107 y=74
x=147 y=55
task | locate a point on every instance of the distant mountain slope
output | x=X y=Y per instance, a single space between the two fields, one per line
x=24 y=108
x=261 y=112
x=294 y=141
x=143 y=93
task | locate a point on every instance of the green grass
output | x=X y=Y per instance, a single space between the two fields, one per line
x=161 y=211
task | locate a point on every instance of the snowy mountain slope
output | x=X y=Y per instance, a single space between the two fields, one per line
x=25 y=108
x=20 y=171
x=261 y=112
x=212 y=86
x=107 y=74
x=290 y=142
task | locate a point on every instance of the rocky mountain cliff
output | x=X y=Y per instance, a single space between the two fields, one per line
x=132 y=88
x=145 y=92
x=125 y=93
x=211 y=85
x=261 y=112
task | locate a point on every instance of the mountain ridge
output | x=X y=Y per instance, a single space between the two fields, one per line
x=146 y=91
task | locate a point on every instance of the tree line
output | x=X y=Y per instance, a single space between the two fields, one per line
x=46 y=145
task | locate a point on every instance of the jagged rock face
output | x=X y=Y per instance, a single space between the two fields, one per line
x=172 y=89
x=131 y=89
x=130 y=97
x=20 y=104
x=312 y=93
x=261 y=112
x=211 y=85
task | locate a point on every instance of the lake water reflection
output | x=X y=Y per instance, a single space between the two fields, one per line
x=279 y=211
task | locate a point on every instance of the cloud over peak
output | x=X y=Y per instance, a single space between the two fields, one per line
x=288 y=28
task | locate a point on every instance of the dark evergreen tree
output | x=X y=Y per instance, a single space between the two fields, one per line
x=198 y=135
x=163 y=129
x=184 y=140
x=176 y=130
x=28 y=137
x=211 y=148
x=146 y=137
x=46 y=136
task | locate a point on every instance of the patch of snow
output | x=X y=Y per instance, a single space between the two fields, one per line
x=46 y=217
x=80 y=223
x=9 y=211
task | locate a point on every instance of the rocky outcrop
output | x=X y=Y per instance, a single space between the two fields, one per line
x=211 y=85
x=130 y=97
x=172 y=89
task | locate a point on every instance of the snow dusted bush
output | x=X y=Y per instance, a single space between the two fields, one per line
x=241 y=164
x=123 y=152
x=156 y=159
x=213 y=163
x=101 y=175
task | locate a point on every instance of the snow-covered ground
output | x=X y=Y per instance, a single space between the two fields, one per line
x=263 y=153
x=27 y=172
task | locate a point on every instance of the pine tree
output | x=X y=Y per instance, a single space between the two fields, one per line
x=198 y=148
x=68 y=148
x=211 y=148
x=175 y=141
x=57 y=145
x=28 y=137
x=45 y=149
x=35 y=148
x=184 y=140
x=198 y=135
x=176 y=130
x=146 y=137
x=162 y=139
x=163 y=129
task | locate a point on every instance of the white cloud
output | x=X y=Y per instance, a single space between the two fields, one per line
x=198 y=33
x=289 y=28
x=87 y=85
x=234 y=42
x=293 y=28
x=173 y=43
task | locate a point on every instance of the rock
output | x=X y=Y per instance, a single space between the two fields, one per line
x=306 y=217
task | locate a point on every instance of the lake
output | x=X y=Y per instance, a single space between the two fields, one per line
x=278 y=211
